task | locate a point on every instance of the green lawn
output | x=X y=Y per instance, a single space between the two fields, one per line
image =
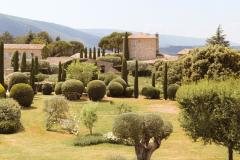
x=35 y=143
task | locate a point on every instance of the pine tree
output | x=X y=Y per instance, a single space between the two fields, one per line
x=103 y=52
x=125 y=47
x=165 y=81
x=36 y=64
x=219 y=38
x=94 y=53
x=63 y=73
x=90 y=53
x=85 y=53
x=32 y=75
x=24 y=62
x=99 y=52
x=59 y=71
x=136 y=88
x=124 y=70
x=2 y=63
x=153 y=79
x=15 y=61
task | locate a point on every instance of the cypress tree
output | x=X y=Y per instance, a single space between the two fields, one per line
x=124 y=70
x=2 y=63
x=63 y=73
x=85 y=53
x=99 y=53
x=15 y=61
x=153 y=79
x=125 y=46
x=32 y=75
x=136 y=88
x=24 y=62
x=36 y=65
x=59 y=71
x=165 y=81
x=94 y=53
x=103 y=52
x=90 y=53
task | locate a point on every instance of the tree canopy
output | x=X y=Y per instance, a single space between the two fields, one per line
x=219 y=38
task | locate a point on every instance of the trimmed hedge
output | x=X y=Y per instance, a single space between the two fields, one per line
x=115 y=89
x=47 y=89
x=96 y=90
x=58 y=88
x=23 y=94
x=10 y=114
x=17 y=77
x=72 y=89
x=121 y=81
x=2 y=91
x=89 y=140
x=128 y=92
x=151 y=92
x=172 y=90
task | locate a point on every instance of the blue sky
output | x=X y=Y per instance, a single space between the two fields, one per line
x=195 y=18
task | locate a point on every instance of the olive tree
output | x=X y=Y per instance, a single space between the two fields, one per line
x=89 y=117
x=211 y=112
x=145 y=131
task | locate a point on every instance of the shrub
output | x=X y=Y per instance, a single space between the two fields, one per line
x=58 y=88
x=172 y=90
x=17 y=77
x=89 y=117
x=58 y=117
x=96 y=90
x=128 y=92
x=108 y=77
x=47 y=89
x=85 y=72
x=151 y=92
x=72 y=89
x=121 y=81
x=23 y=94
x=10 y=115
x=89 y=140
x=2 y=91
x=112 y=59
x=41 y=77
x=115 y=89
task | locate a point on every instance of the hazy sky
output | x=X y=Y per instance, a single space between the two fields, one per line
x=196 y=18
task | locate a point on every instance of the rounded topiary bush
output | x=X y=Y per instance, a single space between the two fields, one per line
x=72 y=89
x=17 y=77
x=10 y=115
x=115 y=89
x=151 y=92
x=96 y=90
x=128 y=92
x=23 y=94
x=121 y=81
x=172 y=90
x=58 y=88
x=47 y=89
x=2 y=91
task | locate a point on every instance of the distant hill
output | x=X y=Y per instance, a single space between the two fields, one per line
x=169 y=44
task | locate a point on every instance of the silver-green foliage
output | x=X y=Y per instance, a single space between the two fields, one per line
x=89 y=116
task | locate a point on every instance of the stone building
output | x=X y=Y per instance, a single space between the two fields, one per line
x=143 y=46
x=29 y=49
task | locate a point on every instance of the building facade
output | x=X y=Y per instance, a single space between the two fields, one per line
x=143 y=46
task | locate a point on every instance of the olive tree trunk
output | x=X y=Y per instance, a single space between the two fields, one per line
x=230 y=153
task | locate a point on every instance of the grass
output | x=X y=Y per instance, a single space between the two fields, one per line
x=38 y=144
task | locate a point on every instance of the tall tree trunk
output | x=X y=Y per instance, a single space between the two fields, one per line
x=144 y=153
x=230 y=152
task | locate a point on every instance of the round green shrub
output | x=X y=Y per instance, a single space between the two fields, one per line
x=72 y=89
x=128 y=92
x=17 y=77
x=151 y=92
x=121 y=81
x=108 y=77
x=23 y=94
x=96 y=90
x=172 y=90
x=2 y=91
x=58 y=88
x=10 y=115
x=115 y=89
x=47 y=89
